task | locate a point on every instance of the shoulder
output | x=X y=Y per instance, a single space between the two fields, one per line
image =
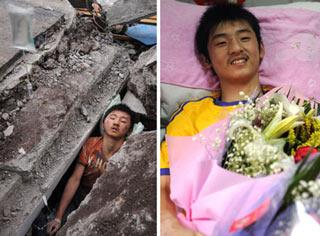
x=184 y=121
x=92 y=142
x=193 y=106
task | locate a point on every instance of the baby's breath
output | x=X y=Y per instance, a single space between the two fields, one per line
x=249 y=153
x=306 y=189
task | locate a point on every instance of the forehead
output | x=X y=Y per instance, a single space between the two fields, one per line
x=229 y=27
x=119 y=113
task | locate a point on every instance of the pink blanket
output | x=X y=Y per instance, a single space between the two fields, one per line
x=204 y=192
x=291 y=38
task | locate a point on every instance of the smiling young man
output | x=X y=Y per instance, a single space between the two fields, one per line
x=116 y=125
x=228 y=42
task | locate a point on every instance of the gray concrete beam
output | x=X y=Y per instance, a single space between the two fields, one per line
x=127 y=11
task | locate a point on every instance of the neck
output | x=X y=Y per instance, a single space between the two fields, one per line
x=230 y=91
x=111 y=145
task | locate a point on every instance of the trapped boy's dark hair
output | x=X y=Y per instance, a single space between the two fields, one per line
x=121 y=107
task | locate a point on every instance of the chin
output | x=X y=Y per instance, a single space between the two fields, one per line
x=242 y=76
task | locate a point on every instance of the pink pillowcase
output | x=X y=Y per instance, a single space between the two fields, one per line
x=291 y=37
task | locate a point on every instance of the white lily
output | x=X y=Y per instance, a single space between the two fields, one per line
x=277 y=126
x=276 y=119
x=278 y=143
x=291 y=108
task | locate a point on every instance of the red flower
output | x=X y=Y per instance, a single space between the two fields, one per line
x=303 y=151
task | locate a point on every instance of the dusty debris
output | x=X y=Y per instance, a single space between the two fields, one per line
x=83 y=111
x=22 y=151
x=124 y=11
x=8 y=131
x=5 y=116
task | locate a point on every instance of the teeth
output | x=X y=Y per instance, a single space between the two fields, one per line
x=238 y=61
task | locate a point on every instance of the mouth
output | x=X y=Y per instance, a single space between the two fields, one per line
x=239 y=61
x=114 y=129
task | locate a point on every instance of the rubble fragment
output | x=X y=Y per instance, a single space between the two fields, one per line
x=22 y=151
x=8 y=131
x=143 y=82
x=5 y=116
x=124 y=11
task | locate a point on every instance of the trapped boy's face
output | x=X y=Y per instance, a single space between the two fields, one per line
x=234 y=52
x=117 y=124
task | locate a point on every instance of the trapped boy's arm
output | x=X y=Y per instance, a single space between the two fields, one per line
x=68 y=193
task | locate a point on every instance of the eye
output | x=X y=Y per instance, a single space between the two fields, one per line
x=245 y=39
x=221 y=44
x=124 y=121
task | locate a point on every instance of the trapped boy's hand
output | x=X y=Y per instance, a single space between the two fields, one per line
x=53 y=226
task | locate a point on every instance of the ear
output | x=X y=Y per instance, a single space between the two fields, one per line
x=206 y=64
x=262 y=52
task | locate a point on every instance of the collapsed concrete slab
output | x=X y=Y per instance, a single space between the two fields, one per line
x=123 y=200
x=46 y=14
x=127 y=11
x=143 y=81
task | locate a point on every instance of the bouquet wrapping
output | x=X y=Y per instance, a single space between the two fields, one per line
x=207 y=194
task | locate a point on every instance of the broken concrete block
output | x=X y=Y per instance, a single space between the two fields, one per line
x=83 y=111
x=22 y=151
x=143 y=81
x=5 y=116
x=123 y=200
x=8 y=182
x=126 y=11
x=8 y=131
x=134 y=103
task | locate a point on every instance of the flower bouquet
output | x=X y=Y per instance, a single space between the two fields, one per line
x=224 y=178
x=265 y=136
x=266 y=139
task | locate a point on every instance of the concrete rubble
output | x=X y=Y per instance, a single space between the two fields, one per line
x=51 y=101
x=127 y=11
x=45 y=16
x=143 y=81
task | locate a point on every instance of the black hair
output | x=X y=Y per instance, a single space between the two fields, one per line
x=120 y=107
x=221 y=13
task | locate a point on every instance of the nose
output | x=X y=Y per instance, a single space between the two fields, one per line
x=116 y=121
x=234 y=46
